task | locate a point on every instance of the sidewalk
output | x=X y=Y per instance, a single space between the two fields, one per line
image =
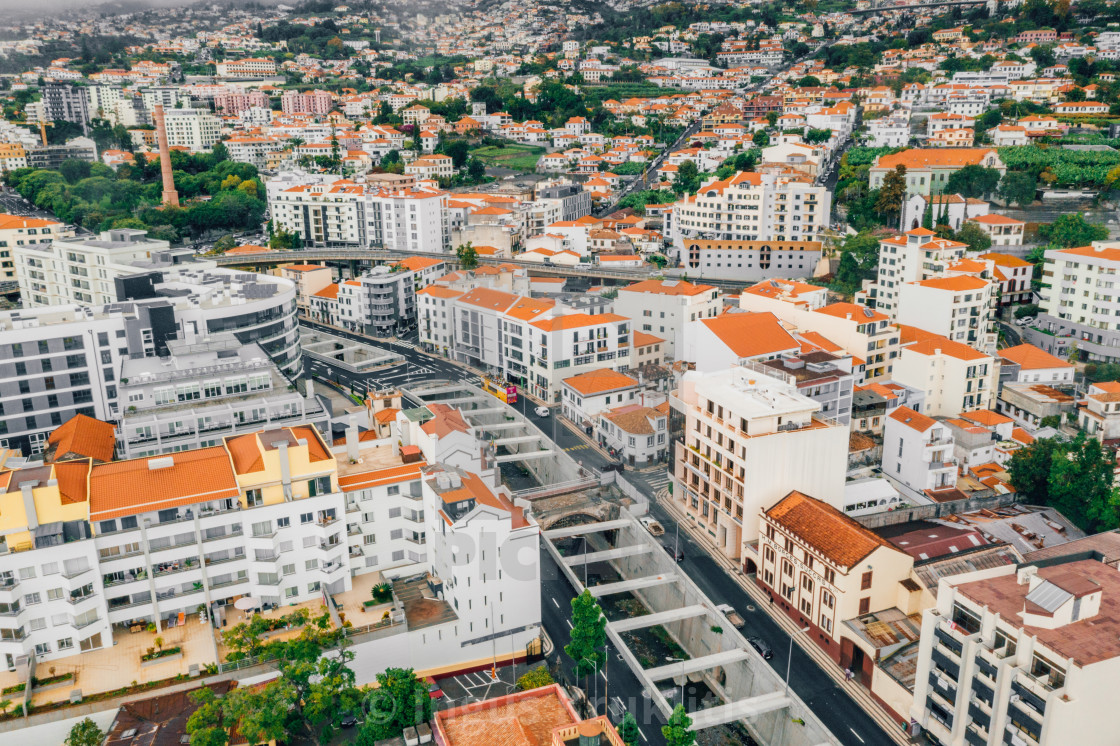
x=857 y=692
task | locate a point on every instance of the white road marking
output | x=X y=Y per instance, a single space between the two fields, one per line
x=569 y=623
x=556 y=604
x=855 y=734
x=643 y=735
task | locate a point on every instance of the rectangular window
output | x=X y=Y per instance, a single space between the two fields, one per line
x=311 y=564
x=264 y=528
x=864 y=606
x=865 y=581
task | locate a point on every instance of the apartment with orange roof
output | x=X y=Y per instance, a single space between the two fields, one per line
x=749 y=440
x=959 y=307
x=918 y=455
x=667 y=308
x=1099 y=414
x=585 y=396
x=1080 y=306
x=954 y=376
x=911 y=257
x=1014 y=275
x=308 y=279
x=19 y=231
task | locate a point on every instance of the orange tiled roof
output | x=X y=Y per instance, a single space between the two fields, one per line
x=912 y=419
x=934 y=158
x=84 y=436
x=751 y=334
x=667 y=287
x=1030 y=357
x=842 y=541
x=599 y=381
x=129 y=487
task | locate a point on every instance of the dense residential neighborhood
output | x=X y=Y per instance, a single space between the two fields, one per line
x=480 y=372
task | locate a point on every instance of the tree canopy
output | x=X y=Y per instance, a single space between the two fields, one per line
x=1074 y=477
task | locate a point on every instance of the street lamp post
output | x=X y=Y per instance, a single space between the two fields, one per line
x=789 y=659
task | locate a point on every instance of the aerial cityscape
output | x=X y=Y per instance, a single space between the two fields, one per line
x=560 y=373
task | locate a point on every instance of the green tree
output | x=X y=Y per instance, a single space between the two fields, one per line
x=476 y=169
x=628 y=730
x=219 y=152
x=659 y=260
x=972 y=181
x=1030 y=309
x=535 y=679
x=1072 y=230
x=74 y=170
x=468 y=255
x=975 y=236
x=809 y=82
x=85 y=733
x=206 y=726
x=688 y=178
x=892 y=193
x=1018 y=187
x=859 y=261
x=588 y=635
x=261 y=714
x=1082 y=486
x=400 y=701
x=678 y=731
x=761 y=139
x=459 y=150
x=1075 y=478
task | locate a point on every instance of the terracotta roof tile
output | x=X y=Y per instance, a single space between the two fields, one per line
x=83 y=436
x=139 y=485
x=840 y=539
x=600 y=382
x=751 y=334
x=1030 y=357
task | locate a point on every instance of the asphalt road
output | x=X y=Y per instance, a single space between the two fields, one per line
x=620 y=684
x=13 y=204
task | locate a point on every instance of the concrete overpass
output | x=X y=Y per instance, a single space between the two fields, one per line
x=358 y=256
x=750 y=691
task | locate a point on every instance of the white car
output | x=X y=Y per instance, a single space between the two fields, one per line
x=542 y=411
x=1025 y=321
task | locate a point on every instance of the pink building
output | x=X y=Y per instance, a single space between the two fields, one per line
x=313 y=102
x=235 y=101
x=1037 y=36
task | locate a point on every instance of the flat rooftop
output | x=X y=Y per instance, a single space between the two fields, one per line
x=421 y=608
x=514 y=720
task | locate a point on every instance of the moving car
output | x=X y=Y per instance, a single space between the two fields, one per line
x=678 y=555
x=732 y=615
x=761 y=646
x=542 y=411
x=652 y=526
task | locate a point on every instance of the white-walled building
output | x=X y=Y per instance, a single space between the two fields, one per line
x=954 y=377
x=1021 y=655
x=667 y=307
x=749 y=440
x=918 y=453
x=960 y=308
x=1092 y=321
x=584 y=397
x=912 y=257
x=194 y=129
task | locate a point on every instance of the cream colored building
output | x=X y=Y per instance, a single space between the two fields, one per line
x=16 y=231
x=955 y=377
x=666 y=308
x=823 y=568
x=960 y=308
x=1026 y=656
x=309 y=279
x=749 y=440
x=1100 y=414
x=912 y=257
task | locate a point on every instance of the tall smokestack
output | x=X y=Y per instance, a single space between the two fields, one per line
x=170 y=196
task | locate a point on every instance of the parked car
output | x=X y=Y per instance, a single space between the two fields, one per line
x=542 y=411
x=652 y=526
x=675 y=553
x=732 y=615
x=349 y=720
x=761 y=646
x=1025 y=321
x=434 y=692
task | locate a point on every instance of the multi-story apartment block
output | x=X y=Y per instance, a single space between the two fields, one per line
x=912 y=257
x=667 y=307
x=380 y=303
x=1099 y=415
x=753 y=207
x=234 y=100
x=203 y=392
x=315 y=102
x=434 y=166
x=308 y=279
x=343 y=213
x=81 y=270
x=749 y=440
x=193 y=129
x=250 y=67
x=1014 y=275
x=954 y=376
x=16 y=231
x=918 y=453
x=960 y=308
x=1021 y=655
x=66 y=102
x=1079 y=301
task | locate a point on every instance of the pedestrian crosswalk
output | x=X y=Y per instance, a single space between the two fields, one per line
x=409 y=345
x=658 y=480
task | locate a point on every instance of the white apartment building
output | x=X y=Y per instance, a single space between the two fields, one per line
x=584 y=397
x=1021 y=655
x=914 y=256
x=250 y=67
x=345 y=213
x=635 y=434
x=960 y=308
x=1079 y=300
x=918 y=453
x=954 y=376
x=1100 y=414
x=666 y=308
x=18 y=231
x=749 y=440
x=81 y=270
x=753 y=207
x=194 y=129
x=380 y=303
